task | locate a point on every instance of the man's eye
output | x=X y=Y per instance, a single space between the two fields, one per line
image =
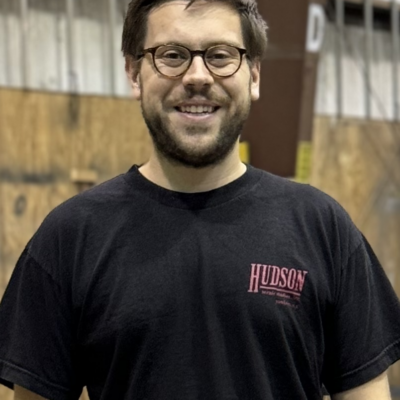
x=172 y=55
x=219 y=56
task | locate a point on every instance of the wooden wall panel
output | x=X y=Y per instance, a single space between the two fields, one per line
x=45 y=135
x=115 y=135
x=358 y=163
x=7 y=394
x=34 y=135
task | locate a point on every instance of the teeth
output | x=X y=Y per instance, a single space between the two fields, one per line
x=197 y=109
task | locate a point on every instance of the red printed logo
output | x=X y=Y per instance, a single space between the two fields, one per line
x=286 y=284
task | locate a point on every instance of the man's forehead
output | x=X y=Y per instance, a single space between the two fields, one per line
x=199 y=6
x=173 y=21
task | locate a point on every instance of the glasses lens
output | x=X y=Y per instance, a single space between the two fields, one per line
x=172 y=60
x=223 y=60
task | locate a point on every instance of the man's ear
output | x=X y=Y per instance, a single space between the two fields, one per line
x=255 y=71
x=133 y=74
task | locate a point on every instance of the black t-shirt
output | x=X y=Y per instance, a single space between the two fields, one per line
x=260 y=290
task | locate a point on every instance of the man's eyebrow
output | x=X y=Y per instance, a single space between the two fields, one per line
x=204 y=46
x=223 y=42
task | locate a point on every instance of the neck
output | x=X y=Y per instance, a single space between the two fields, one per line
x=190 y=180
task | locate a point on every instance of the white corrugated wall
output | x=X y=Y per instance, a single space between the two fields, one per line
x=353 y=69
x=47 y=48
x=96 y=71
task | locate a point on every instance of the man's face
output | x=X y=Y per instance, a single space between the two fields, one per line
x=182 y=136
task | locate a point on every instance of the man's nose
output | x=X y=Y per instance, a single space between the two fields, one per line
x=198 y=74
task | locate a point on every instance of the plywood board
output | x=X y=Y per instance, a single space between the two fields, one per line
x=7 y=394
x=113 y=136
x=45 y=135
x=32 y=134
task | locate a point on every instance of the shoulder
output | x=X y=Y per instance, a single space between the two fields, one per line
x=99 y=201
x=84 y=216
x=307 y=209
x=296 y=195
x=103 y=196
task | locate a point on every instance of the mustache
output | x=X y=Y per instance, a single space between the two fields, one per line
x=202 y=94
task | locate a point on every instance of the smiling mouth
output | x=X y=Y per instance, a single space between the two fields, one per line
x=197 y=110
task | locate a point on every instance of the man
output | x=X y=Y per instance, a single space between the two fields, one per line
x=195 y=276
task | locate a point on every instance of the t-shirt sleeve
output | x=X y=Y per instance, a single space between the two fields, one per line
x=363 y=329
x=36 y=335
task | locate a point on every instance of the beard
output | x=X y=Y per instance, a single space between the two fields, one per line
x=171 y=147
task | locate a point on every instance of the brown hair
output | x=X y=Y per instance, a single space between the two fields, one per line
x=254 y=28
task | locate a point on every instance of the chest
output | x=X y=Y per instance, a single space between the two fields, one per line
x=188 y=274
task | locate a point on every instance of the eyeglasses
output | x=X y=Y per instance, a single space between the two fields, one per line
x=174 y=61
